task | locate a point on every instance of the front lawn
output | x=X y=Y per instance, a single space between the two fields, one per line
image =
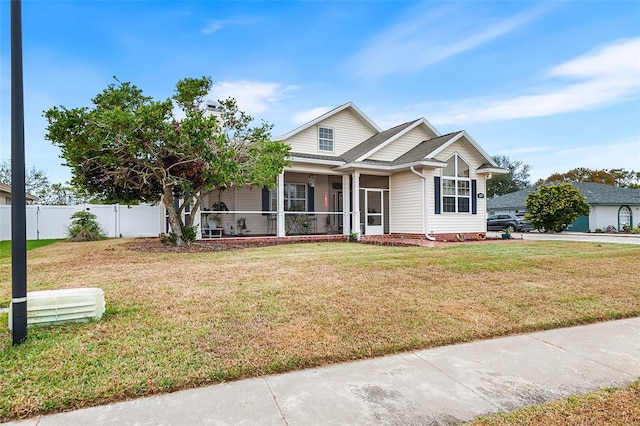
x=5 y=246
x=177 y=320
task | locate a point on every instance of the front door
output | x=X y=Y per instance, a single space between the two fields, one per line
x=374 y=208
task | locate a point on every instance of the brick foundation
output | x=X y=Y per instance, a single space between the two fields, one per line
x=421 y=239
x=270 y=240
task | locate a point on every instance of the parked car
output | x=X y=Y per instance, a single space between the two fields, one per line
x=512 y=222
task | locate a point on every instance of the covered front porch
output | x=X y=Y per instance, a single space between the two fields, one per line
x=303 y=203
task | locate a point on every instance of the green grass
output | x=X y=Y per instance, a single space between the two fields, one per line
x=5 y=246
x=181 y=320
x=600 y=408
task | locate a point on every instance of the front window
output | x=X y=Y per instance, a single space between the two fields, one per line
x=325 y=139
x=456 y=186
x=624 y=217
x=295 y=197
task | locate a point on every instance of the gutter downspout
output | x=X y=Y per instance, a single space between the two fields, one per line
x=424 y=198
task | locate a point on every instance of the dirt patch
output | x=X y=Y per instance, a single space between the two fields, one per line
x=154 y=245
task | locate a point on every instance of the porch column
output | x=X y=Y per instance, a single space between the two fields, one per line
x=281 y=227
x=346 y=205
x=355 y=217
x=197 y=222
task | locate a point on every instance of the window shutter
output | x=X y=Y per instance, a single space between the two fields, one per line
x=436 y=192
x=266 y=198
x=474 y=196
x=310 y=198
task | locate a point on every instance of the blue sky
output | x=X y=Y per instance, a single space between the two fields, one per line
x=555 y=85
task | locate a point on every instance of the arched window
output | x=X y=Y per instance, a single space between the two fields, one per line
x=456 y=186
x=624 y=217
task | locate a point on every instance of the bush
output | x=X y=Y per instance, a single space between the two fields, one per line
x=188 y=235
x=84 y=227
x=555 y=207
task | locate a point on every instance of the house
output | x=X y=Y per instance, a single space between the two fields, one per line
x=609 y=206
x=5 y=195
x=350 y=176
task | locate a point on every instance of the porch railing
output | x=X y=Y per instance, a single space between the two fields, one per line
x=241 y=223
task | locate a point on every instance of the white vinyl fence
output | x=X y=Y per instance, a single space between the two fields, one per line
x=45 y=222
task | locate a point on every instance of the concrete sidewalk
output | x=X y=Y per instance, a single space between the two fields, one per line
x=441 y=386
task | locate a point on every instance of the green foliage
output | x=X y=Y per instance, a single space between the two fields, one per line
x=188 y=235
x=84 y=227
x=128 y=147
x=516 y=179
x=554 y=207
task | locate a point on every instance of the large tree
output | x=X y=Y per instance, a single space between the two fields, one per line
x=129 y=147
x=516 y=179
x=613 y=177
x=553 y=207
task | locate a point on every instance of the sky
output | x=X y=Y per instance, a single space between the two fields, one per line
x=554 y=85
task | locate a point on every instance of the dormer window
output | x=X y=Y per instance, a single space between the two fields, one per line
x=325 y=139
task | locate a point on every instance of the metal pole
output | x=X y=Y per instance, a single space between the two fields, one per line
x=18 y=194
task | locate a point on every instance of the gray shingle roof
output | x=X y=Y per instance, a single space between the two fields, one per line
x=596 y=194
x=316 y=156
x=374 y=141
x=424 y=149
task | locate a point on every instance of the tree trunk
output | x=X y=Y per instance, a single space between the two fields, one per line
x=174 y=219
x=194 y=210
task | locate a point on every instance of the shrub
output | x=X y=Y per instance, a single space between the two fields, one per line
x=554 y=207
x=188 y=235
x=84 y=227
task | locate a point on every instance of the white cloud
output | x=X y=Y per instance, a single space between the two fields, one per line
x=422 y=40
x=215 y=25
x=254 y=97
x=602 y=77
x=306 y=116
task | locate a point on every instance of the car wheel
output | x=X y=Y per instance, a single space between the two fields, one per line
x=511 y=228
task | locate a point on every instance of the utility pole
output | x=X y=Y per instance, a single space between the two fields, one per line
x=18 y=194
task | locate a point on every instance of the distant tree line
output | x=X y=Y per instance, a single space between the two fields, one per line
x=613 y=177
x=517 y=177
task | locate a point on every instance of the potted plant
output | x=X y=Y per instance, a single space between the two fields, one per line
x=506 y=233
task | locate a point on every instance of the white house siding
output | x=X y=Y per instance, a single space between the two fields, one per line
x=348 y=131
x=445 y=223
x=401 y=145
x=405 y=203
x=602 y=216
x=464 y=149
x=246 y=200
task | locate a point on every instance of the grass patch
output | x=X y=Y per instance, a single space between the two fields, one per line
x=177 y=320
x=5 y=246
x=601 y=408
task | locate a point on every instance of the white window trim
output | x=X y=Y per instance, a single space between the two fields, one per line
x=456 y=179
x=273 y=194
x=333 y=139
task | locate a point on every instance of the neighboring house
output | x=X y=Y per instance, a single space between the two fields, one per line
x=5 y=195
x=609 y=206
x=349 y=176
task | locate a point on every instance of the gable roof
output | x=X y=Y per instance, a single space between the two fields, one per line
x=348 y=105
x=375 y=141
x=425 y=149
x=595 y=193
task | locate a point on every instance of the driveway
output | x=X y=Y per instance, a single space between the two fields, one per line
x=573 y=236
